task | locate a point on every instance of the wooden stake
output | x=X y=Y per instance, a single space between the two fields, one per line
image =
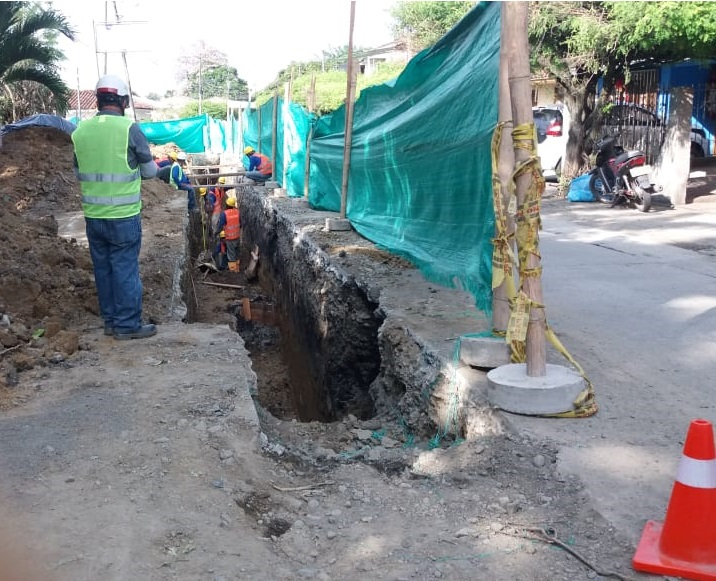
x=246 y=308
x=222 y=285
x=241 y=129
x=286 y=100
x=311 y=107
x=274 y=129
x=350 y=94
x=516 y=15
x=506 y=163
x=258 y=146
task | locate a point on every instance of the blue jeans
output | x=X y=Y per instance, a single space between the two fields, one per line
x=191 y=197
x=257 y=176
x=114 y=246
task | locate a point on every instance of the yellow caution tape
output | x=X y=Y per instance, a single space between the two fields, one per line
x=528 y=224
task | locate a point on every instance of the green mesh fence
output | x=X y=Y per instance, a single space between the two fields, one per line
x=189 y=133
x=420 y=168
x=293 y=124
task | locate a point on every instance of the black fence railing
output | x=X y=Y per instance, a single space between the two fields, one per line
x=637 y=116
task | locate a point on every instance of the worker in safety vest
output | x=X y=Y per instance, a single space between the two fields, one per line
x=111 y=157
x=219 y=254
x=230 y=223
x=215 y=198
x=260 y=166
x=179 y=180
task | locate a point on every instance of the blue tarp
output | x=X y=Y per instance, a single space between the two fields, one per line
x=40 y=120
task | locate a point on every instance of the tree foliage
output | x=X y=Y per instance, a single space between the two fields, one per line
x=215 y=109
x=332 y=59
x=29 y=58
x=579 y=42
x=331 y=87
x=206 y=73
x=421 y=24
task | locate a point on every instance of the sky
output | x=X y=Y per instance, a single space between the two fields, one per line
x=259 y=38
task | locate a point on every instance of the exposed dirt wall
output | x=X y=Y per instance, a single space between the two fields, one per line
x=328 y=324
x=363 y=332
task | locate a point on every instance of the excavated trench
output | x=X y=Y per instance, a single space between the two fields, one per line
x=312 y=334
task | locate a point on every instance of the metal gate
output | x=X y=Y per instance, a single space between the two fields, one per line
x=634 y=114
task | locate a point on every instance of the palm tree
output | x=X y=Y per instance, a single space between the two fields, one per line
x=28 y=52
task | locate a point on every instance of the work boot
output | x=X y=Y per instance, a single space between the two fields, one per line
x=233 y=266
x=138 y=333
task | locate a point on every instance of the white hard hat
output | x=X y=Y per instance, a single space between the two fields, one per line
x=113 y=85
x=181 y=156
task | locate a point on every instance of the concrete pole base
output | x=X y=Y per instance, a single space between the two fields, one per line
x=338 y=224
x=484 y=352
x=510 y=389
x=279 y=193
x=270 y=185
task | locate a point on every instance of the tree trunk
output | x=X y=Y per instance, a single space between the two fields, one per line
x=580 y=110
x=674 y=163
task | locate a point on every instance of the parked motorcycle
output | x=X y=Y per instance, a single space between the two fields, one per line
x=621 y=177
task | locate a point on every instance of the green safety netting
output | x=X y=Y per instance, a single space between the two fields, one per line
x=420 y=176
x=195 y=134
x=420 y=172
x=187 y=133
x=293 y=125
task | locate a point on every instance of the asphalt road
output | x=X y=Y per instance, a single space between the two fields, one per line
x=633 y=297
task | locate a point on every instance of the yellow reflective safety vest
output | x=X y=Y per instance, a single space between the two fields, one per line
x=172 y=182
x=110 y=188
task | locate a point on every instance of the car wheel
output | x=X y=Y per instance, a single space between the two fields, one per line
x=558 y=170
x=696 y=150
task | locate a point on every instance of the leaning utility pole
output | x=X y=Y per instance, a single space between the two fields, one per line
x=527 y=218
x=504 y=221
x=350 y=98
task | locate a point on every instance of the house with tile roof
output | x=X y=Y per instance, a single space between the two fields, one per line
x=88 y=106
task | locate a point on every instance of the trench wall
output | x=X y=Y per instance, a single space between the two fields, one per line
x=346 y=347
x=328 y=325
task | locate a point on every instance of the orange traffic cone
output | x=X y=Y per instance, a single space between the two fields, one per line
x=685 y=544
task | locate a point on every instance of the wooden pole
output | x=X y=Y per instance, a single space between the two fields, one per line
x=274 y=122
x=311 y=107
x=286 y=99
x=506 y=163
x=241 y=129
x=516 y=15
x=350 y=93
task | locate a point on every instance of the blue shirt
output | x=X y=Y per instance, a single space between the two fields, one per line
x=183 y=183
x=254 y=162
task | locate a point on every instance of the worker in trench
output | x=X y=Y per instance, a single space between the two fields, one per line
x=214 y=204
x=111 y=157
x=179 y=180
x=219 y=255
x=230 y=223
x=260 y=166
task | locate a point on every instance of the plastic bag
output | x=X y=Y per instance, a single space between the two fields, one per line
x=579 y=189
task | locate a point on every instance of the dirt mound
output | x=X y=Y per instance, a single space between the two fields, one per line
x=47 y=290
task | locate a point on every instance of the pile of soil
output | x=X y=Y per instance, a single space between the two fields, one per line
x=47 y=291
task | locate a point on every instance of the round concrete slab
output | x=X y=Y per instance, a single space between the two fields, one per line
x=510 y=389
